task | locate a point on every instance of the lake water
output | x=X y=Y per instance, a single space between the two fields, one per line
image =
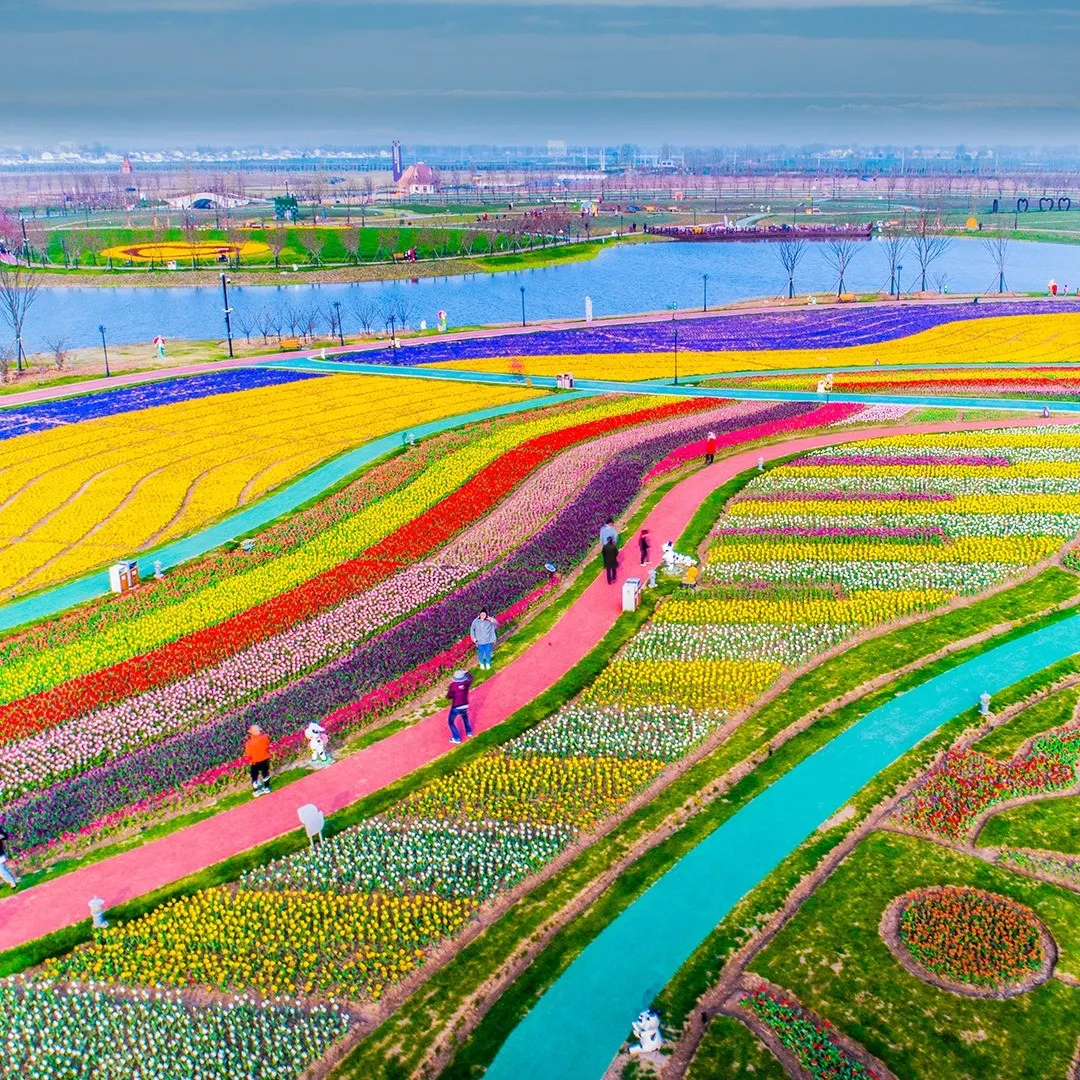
x=622 y=280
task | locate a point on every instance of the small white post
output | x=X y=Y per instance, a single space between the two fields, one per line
x=97 y=909
x=760 y=464
x=984 y=704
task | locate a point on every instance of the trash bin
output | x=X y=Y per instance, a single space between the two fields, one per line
x=630 y=590
x=123 y=575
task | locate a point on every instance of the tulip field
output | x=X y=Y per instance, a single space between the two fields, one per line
x=1031 y=335
x=83 y=494
x=126 y=713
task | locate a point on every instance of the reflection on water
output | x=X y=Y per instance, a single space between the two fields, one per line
x=621 y=280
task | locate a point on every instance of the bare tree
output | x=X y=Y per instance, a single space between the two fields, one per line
x=332 y=317
x=838 y=254
x=293 y=318
x=894 y=247
x=313 y=243
x=276 y=321
x=18 y=291
x=6 y=353
x=350 y=241
x=791 y=253
x=60 y=348
x=929 y=243
x=365 y=309
x=367 y=187
x=397 y=306
x=245 y=323
x=276 y=239
x=999 y=246
x=265 y=324
x=191 y=235
x=309 y=321
x=941 y=281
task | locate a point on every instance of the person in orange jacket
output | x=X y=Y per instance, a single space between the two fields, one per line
x=257 y=749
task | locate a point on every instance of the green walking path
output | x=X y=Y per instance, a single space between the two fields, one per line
x=589 y=1008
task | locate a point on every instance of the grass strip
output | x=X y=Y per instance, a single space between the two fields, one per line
x=404 y=1041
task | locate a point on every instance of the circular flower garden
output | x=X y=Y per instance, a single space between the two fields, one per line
x=969 y=941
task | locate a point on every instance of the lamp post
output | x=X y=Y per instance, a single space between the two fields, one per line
x=675 y=328
x=340 y=335
x=25 y=240
x=393 y=337
x=228 y=311
x=899 y=271
x=522 y=287
x=105 y=350
x=705 y=292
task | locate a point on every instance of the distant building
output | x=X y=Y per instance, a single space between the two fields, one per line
x=419 y=179
x=126 y=167
x=395 y=161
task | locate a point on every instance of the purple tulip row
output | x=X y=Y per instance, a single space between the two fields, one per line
x=49 y=414
x=822 y=328
x=71 y=806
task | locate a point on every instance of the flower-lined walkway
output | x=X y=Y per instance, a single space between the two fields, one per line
x=62 y=902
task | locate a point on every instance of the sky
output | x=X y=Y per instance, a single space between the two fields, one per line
x=142 y=73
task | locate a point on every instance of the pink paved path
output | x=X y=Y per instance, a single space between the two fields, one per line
x=61 y=902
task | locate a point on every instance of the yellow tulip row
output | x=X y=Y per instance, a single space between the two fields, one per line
x=1007 y=339
x=1021 y=469
x=347 y=944
x=85 y=495
x=867 y=607
x=964 y=549
x=690 y=684
x=544 y=790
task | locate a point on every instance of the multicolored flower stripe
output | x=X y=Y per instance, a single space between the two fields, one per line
x=78 y=497
x=277 y=539
x=813 y=1044
x=644 y=351
x=822 y=417
x=972 y=937
x=240 y=611
x=821 y=328
x=966 y=783
x=52 y=1031
x=1055 y=866
x=44 y=415
x=105 y=796
x=1061 y=382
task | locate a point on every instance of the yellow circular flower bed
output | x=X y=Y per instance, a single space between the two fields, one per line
x=175 y=250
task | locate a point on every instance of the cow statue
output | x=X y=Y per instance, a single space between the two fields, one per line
x=646 y=1029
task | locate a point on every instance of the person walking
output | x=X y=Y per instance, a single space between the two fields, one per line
x=482 y=632
x=608 y=532
x=643 y=546
x=257 y=749
x=459 y=703
x=610 y=554
x=710 y=448
x=5 y=870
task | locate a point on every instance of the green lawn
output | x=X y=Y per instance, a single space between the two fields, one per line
x=1051 y=712
x=1050 y=825
x=831 y=957
x=730 y=1051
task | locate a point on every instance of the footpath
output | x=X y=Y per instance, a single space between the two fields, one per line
x=62 y=902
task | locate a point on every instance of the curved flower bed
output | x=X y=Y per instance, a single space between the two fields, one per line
x=813 y=1044
x=176 y=250
x=972 y=940
x=58 y=685
x=26 y=419
x=278 y=539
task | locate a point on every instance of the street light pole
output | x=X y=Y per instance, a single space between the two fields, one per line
x=228 y=311
x=675 y=327
x=105 y=350
x=340 y=335
x=705 y=292
x=899 y=271
x=522 y=287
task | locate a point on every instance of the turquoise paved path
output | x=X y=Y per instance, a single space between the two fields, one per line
x=51 y=601
x=684 y=389
x=591 y=1005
